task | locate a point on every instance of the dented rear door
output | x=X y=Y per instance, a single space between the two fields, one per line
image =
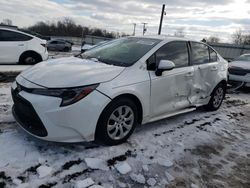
x=205 y=63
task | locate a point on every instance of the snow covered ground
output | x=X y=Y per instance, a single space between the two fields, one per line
x=197 y=149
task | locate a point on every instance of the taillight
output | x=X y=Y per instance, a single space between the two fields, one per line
x=44 y=45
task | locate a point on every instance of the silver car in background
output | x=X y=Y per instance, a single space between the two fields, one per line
x=59 y=45
x=239 y=70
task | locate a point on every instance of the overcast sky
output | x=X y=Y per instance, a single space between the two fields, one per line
x=198 y=18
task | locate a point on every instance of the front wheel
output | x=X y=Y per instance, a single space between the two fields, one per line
x=216 y=98
x=117 y=122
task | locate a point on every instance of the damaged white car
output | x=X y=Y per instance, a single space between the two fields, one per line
x=105 y=92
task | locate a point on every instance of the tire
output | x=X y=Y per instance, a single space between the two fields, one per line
x=121 y=115
x=66 y=49
x=216 y=98
x=29 y=59
x=3 y=77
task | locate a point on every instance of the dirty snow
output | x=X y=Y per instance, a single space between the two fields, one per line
x=84 y=183
x=95 y=163
x=44 y=171
x=138 y=178
x=197 y=149
x=123 y=167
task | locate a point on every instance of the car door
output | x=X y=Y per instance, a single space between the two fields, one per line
x=170 y=91
x=12 y=45
x=52 y=45
x=206 y=68
x=60 y=45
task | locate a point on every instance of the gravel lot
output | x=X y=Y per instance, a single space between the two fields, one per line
x=197 y=149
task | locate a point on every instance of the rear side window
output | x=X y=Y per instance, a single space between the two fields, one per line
x=200 y=53
x=6 y=35
x=213 y=55
x=53 y=42
x=176 y=52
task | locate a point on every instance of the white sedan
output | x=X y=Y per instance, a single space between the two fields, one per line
x=104 y=93
x=17 y=47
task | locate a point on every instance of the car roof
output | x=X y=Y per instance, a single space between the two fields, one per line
x=165 y=38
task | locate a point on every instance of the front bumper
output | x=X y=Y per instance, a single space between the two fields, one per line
x=42 y=116
x=45 y=56
x=240 y=78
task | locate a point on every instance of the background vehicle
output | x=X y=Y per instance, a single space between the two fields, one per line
x=86 y=47
x=239 y=70
x=59 y=45
x=113 y=87
x=21 y=48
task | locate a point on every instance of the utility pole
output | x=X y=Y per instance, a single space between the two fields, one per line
x=162 y=15
x=144 y=28
x=134 y=29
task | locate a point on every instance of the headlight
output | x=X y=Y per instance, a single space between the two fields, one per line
x=69 y=95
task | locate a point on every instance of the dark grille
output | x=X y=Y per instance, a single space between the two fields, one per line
x=26 y=115
x=240 y=72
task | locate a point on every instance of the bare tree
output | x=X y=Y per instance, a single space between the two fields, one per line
x=238 y=37
x=247 y=39
x=241 y=38
x=213 y=39
x=179 y=32
x=67 y=27
x=7 y=21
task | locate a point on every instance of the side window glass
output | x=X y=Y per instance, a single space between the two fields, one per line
x=13 y=36
x=213 y=55
x=1 y=37
x=200 y=53
x=177 y=52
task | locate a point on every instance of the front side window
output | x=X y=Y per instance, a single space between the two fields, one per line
x=177 y=52
x=121 y=52
x=6 y=35
x=200 y=53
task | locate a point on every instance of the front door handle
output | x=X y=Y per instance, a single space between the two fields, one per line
x=20 y=44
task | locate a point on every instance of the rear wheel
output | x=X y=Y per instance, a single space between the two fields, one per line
x=216 y=98
x=30 y=59
x=117 y=122
x=66 y=49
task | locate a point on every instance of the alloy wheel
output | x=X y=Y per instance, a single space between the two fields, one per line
x=218 y=97
x=120 y=122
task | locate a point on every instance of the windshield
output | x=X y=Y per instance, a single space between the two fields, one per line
x=121 y=52
x=243 y=58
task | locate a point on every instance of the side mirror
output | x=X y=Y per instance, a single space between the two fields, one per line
x=164 y=65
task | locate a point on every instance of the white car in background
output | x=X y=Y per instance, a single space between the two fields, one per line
x=17 y=47
x=108 y=90
x=239 y=70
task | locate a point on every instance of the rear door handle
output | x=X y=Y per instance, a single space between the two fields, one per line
x=190 y=74
x=214 y=68
x=20 y=44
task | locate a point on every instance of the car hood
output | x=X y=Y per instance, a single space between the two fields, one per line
x=240 y=64
x=70 y=72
